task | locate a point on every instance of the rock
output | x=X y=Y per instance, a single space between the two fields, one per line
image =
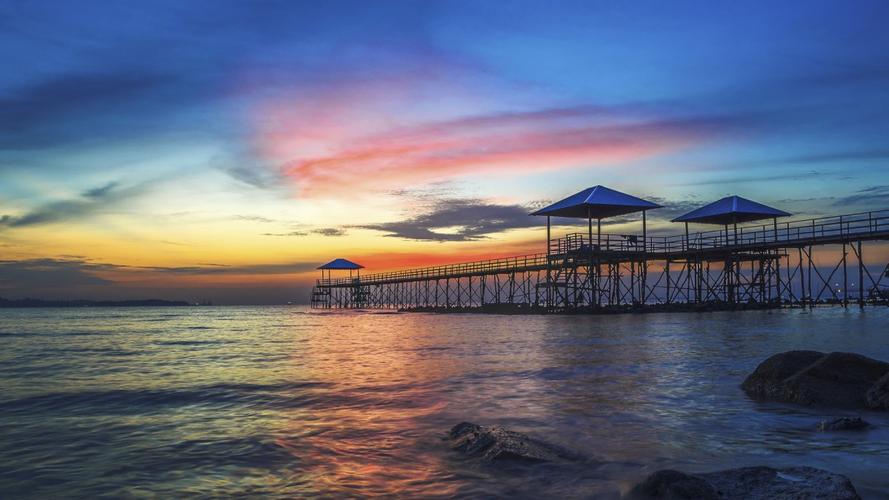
x=843 y=424
x=497 y=443
x=878 y=395
x=837 y=379
x=792 y=483
x=766 y=381
x=748 y=483
x=673 y=485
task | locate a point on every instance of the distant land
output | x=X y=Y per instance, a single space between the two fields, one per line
x=9 y=303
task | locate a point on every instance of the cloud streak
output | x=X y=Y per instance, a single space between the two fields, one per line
x=76 y=271
x=458 y=220
x=91 y=202
x=350 y=153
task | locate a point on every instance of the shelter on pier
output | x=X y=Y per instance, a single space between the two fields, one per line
x=340 y=264
x=730 y=210
x=597 y=202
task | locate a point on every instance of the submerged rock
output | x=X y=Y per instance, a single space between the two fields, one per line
x=749 y=483
x=838 y=379
x=843 y=424
x=673 y=485
x=878 y=395
x=497 y=443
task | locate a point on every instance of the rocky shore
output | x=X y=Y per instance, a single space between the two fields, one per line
x=831 y=380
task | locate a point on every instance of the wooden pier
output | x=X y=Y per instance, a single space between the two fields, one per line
x=753 y=266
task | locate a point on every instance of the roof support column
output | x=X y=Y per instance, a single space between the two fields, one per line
x=644 y=270
x=598 y=258
x=589 y=274
x=548 y=270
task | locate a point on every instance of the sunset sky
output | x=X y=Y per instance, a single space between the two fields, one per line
x=223 y=150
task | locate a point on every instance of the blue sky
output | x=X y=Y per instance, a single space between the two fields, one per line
x=139 y=135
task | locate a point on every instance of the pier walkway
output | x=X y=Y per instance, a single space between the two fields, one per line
x=759 y=265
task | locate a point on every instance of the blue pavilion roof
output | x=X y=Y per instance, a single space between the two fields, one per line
x=597 y=202
x=341 y=264
x=729 y=210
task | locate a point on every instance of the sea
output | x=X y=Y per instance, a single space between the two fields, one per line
x=286 y=402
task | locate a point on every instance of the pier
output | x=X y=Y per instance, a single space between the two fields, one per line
x=743 y=264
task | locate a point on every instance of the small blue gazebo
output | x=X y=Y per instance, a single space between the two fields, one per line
x=731 y=210
x=597 y=202
x=340 y=264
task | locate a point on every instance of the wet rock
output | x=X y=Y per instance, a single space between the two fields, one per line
x=843 y=424
x=878 y=395
x=838 y=379
x=767 y=380
x=497 y=443
x=749 y=483
x=792 y=483
x=673 y=485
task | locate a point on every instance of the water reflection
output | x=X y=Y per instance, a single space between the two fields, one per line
x=285 y=402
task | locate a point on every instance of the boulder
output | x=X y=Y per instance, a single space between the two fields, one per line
x=767 y=380
x=792 y=483
x=878 y=395
x=838 y=379
x=497 y=443
x=673 y=485
x=749 y=483
x=843 y=424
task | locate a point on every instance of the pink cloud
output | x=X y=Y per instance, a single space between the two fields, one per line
x=372 y=136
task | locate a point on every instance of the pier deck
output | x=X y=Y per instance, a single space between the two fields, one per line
x=767 y=265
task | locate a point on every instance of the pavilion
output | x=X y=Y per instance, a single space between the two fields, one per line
x=597 y=202
x=731 y=210
x=340 y=264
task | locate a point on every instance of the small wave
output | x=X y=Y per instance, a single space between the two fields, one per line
x=194 y=342
x=124 y=401
x=52 y=334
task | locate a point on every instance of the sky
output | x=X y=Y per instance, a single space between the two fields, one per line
x=220 y=151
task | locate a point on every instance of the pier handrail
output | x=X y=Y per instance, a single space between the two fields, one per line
x=444 y=271
x=788 y=233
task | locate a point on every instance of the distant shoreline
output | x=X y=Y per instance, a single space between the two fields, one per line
x=26 y=303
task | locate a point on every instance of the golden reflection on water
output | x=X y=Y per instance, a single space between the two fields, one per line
x=368 y=439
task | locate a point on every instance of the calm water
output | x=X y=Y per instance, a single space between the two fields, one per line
x=285 y=402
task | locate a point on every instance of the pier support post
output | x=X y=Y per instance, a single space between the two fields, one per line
x=548 y=266
x=860 y=277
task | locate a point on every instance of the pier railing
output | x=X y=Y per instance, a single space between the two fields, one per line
x=491 y=266
x=790 y=233
x=822 y=230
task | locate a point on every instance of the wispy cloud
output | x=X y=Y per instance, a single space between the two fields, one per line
x=535 y=140
x=330 y=231
x=91 y=202
x=291 y=233
x=77 y=272
x=458 y=220
x=875 y=195
x=49 y=273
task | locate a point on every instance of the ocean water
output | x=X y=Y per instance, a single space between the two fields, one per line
x=286 y=402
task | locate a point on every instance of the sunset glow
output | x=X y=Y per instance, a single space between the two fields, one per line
x=217 y=160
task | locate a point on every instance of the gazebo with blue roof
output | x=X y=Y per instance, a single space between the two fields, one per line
x=597 y=202
x=340 y=264
x=731 y=210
